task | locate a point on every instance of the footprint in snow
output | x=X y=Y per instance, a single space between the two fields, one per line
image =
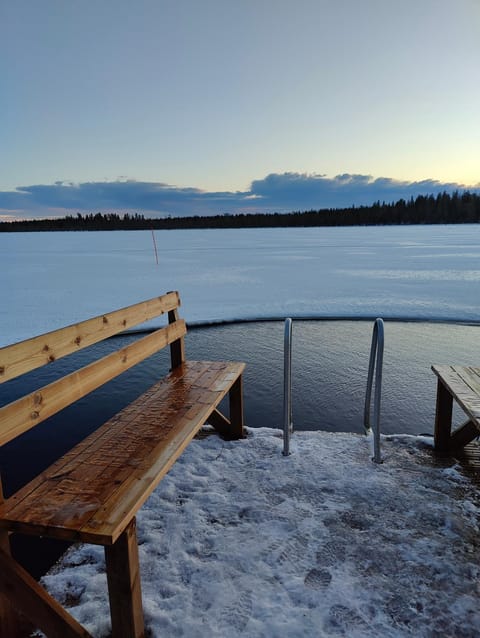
x=236 y=615
x=318 y=579
x=331 y=553
x=343 y=621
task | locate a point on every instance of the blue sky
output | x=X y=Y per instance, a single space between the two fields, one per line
x=197 y=107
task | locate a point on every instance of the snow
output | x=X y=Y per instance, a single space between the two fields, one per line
x=49 y=280
x=239 y=540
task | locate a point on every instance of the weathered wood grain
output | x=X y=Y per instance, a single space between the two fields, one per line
x=95 y=490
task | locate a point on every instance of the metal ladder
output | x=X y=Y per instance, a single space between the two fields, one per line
x=287 y=387
x=375 y=365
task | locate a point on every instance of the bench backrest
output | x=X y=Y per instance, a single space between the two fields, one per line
x=17 y=359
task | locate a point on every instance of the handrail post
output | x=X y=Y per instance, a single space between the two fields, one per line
x=287 y=387
x=375 y=364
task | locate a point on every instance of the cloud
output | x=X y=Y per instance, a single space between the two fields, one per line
x=277 y=192
x=302 y=191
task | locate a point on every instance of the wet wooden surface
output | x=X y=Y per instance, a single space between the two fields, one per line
x=94 y=491
x=32 y=409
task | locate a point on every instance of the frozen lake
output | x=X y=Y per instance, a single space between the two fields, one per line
x=48 y=280
x=288 y=545
x=411 y=272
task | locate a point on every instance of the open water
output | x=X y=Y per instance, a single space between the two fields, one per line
x=330 y=366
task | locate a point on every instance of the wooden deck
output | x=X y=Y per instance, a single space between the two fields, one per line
x=469 y=459
x=462 y=385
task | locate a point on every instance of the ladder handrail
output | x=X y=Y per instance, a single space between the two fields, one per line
x=287 y=386
x=375 y=364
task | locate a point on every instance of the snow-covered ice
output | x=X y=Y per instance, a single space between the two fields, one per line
x=239 y=540
x=49 y=280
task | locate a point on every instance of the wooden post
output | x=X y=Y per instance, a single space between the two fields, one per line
x=236 y=409
x=464 y=435
x=124 y=590
x=443 y=418
x=177 y=348
x=9 y=620
x=43 y=610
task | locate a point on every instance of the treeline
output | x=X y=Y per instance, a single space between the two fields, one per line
x=445 y=208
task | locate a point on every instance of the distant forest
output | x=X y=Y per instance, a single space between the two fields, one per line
x=445 y=208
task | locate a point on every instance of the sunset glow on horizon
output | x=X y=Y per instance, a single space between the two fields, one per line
x=219 y=95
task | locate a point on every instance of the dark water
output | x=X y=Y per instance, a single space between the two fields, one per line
x=330 y=363
x=330 y=366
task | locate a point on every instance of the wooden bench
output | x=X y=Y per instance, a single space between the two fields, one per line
x=461 y=383
x=93 y=492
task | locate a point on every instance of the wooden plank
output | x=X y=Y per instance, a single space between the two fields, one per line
x=27 y=505
x=11 y=625
x=124 y=588
x=109 y=522
x=32 y=353
x=236 y=409
x=221 y=424
x=74 y=500
x=130 y=496
x=463 y=435
x=26 y=595
x=25 y=413
x=443 y=417
x=464 y=384
x=471 y=390
x=177 y=348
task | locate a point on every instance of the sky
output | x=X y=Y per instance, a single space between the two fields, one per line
x=184 y=107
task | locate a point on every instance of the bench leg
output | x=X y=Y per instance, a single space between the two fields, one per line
x=9 y=620
x=31 y=599
x=236 y=408
x=124 y=591
x=443 y=418
x=464 y=435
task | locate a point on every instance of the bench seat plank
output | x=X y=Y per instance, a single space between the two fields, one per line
x=463 y=383
x=93 y=492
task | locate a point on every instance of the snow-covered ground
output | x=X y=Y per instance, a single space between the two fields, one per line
x=49 y=280
x=239 y=540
